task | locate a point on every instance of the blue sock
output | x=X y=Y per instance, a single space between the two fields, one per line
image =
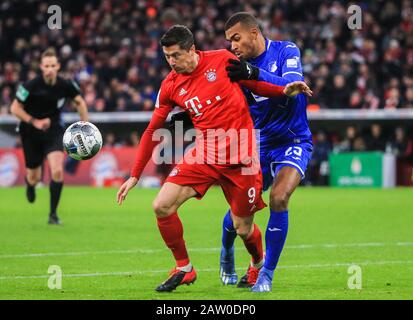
x=228 y=232
x=275 y=239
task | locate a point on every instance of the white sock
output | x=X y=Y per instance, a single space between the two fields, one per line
x=186 y=268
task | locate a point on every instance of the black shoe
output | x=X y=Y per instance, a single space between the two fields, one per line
x=54 y=219
x=249 y=279
x=177 y=278
x=30 y=192
x=243 y=282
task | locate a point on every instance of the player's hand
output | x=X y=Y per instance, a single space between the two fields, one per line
x=124 y=189
x=241 y=70
x=297 y=87
x=42 y=124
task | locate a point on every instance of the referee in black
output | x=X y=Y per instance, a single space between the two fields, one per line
x=38 y=105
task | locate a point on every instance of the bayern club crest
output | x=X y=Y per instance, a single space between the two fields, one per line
x=174 y=172
x=211 y=75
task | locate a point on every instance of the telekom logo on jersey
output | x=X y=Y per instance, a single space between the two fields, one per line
x=194 y=105
x=213 y=146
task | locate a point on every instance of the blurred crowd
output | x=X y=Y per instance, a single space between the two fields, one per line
x=111 y=47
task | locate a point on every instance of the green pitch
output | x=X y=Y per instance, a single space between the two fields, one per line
x=111 y=252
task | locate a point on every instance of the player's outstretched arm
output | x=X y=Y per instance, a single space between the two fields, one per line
x=263 y=89
x=144 y=153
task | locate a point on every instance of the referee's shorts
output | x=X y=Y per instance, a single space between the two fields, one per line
x=38 y=144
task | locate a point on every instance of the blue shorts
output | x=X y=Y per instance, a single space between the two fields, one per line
x=296 y=155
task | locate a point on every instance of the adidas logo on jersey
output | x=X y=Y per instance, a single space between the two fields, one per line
x=182 y=92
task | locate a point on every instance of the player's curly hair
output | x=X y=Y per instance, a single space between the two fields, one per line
x=178 y=34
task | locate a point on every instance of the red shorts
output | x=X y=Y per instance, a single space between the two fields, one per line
x=242 y=191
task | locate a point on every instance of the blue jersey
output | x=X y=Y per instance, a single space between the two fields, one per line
x=280 y=120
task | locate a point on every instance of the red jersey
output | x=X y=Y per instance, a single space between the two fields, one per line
x=217 y=107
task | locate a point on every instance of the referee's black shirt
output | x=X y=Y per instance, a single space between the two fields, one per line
x=41 y=100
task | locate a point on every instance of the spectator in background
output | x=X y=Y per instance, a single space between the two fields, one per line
x=6 y=96
x=376 y=141
x=408 y=77
x=408 y=98
x=365 y=80
x=318 y=166
x=99 y=106
x=359 y=144
x=134 y=139
x=401 y=146
x=371 y=101
x=149 y=93
x=136 y=102
x=109 y=140
x=147 y=105
x=347 y=144
x=338 y=93
x=121 y=104
x=392 y=99
x=356 y=100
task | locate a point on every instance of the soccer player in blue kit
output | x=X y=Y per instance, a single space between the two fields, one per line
x=285 y=140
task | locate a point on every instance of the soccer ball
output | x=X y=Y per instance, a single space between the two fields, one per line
x=82 y=140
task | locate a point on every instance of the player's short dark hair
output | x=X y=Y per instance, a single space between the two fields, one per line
x=245 y=18
x=49 y=52
x=180 y=35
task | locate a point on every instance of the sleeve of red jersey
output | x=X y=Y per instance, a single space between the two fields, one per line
x=162 y=108
x=260 y=88
x=263 y=89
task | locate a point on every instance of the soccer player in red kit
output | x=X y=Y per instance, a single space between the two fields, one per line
x=198 y=83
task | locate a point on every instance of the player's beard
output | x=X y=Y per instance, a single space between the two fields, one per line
x=246 y=53
x=178 y=70
x=49 y=80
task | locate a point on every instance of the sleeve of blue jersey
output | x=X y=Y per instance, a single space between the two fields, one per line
x=291 y=67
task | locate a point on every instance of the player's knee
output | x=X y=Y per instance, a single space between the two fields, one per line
x=33 y=178
x=57 y=174
x=243 y=230
x=161 y=208
x=279 y=200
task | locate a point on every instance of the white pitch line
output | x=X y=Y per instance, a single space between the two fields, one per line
x=404 y=243
x=145 y=272
x=78 y=253
x=152 y=251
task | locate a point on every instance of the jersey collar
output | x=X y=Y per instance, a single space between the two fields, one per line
x=260 y=58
